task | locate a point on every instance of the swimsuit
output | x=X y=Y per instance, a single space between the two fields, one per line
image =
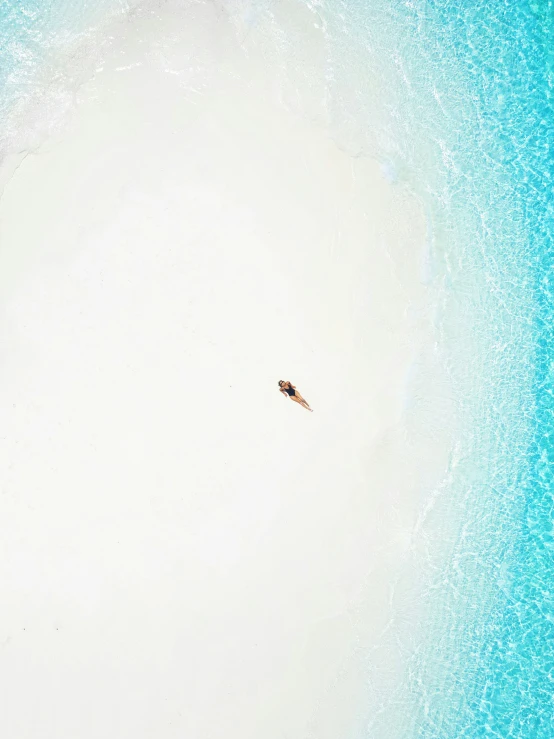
x=289 y=390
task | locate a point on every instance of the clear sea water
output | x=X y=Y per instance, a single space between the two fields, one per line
x=464 y=118
x=35 y=94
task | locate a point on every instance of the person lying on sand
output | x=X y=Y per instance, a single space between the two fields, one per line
x=288 y=389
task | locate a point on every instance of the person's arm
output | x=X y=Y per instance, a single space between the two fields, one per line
x=284 y=392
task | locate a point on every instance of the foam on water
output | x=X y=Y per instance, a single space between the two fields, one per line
x=456 y=105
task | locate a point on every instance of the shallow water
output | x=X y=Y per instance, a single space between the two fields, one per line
x=477 y=92
x=456 y=106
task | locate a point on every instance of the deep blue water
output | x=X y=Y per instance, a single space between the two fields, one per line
x=468 y=125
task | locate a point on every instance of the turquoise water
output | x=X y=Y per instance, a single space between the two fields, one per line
x=33 y=94
x=477 y=89
x=464 y=118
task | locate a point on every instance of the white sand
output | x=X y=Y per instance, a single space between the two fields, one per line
x=185 y=552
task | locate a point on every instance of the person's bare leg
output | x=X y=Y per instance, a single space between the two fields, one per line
x=300 y=400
